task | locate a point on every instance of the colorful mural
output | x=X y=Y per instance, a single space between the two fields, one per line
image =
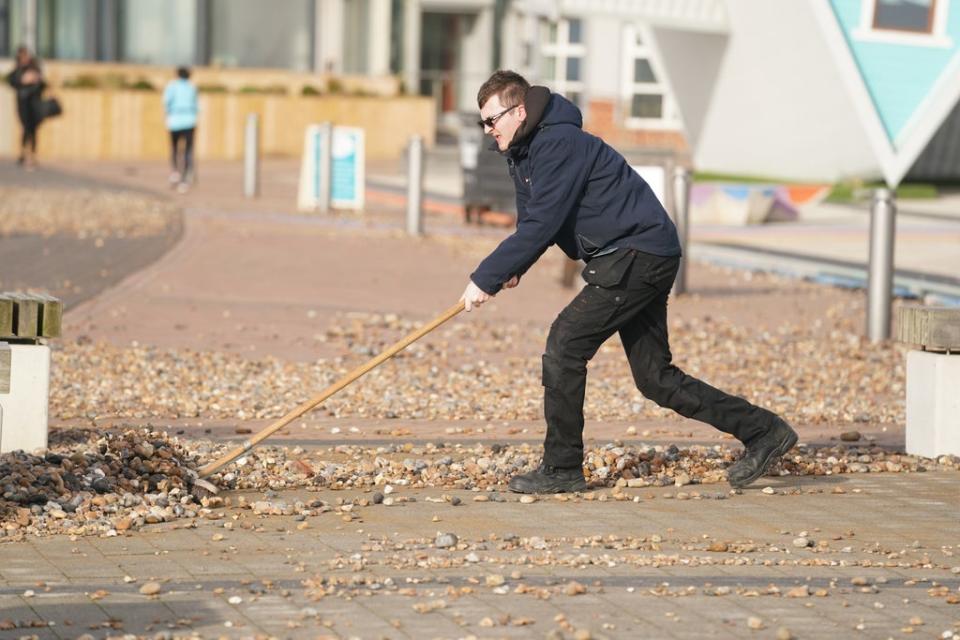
x=740 y=204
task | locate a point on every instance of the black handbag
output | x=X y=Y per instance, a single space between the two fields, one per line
x=50 y=108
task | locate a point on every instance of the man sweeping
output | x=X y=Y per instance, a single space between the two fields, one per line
x=575 y=191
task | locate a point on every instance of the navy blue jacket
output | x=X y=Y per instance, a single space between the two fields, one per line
x=575 y=191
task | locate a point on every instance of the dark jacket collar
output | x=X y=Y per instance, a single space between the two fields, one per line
x=535 y=105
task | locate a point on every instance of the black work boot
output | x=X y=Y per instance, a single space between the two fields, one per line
x=761 y=453
x=547 y=479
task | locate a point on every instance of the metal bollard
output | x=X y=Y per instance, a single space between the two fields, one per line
x=324 y=164
x=415 y=186
x=251 y=157
x=880 y=278
x=681 y=218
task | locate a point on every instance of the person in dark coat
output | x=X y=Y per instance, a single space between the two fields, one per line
x=27 y=81
x=575 y=191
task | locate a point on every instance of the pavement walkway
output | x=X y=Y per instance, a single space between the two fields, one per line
x=880 y=569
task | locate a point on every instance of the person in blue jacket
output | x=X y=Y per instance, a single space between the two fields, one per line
x=575 y=191
x=180 y=104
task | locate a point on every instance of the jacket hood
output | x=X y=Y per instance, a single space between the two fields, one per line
x=543 y=109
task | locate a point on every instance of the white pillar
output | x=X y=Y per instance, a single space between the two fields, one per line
x=476 y=59
x=412 y=21
x=28 y=31
x=378 y=44
x=511 y=43
x=531 y=31
x=328 y=34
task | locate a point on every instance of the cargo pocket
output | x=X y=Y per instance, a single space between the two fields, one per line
x=608 y=270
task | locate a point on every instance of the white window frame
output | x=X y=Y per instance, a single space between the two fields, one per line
x=561 y=51
x=937 y=37
x=670 y=120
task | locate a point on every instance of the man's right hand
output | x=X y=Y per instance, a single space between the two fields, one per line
x=474 y=296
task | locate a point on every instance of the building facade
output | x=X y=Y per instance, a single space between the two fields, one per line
x=749 y=87
x=600 y=54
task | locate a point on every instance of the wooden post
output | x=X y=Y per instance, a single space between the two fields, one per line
x=51 y=317
x=26 y=317
x=4 y=367
x=931 y=328
x=6 y=315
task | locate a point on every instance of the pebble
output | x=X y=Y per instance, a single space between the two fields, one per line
x=768 y=490
x=802 y=591
x=754 y=622
x=445 y=541
x=235 y=600
x=495 y=580
x=150 y=588
x=427 y=607
x=850 y=436
x=139 y=382
x=802 y=542
x=528 y=499
x=574 y=588
x=783 y=633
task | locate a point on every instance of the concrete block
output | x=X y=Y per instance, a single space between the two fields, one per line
x=23 y=410
x=933 y=404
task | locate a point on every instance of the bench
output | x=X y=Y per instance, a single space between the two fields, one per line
x=27 y=322
x=933 y=378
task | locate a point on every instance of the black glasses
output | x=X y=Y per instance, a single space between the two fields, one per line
x=492 y=120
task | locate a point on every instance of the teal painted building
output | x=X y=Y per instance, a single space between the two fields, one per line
x=902 y=55
x=901 y=62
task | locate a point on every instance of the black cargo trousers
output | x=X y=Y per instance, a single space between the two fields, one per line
x=627 y=291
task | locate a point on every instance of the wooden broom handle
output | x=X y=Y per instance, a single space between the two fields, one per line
x=270 y=429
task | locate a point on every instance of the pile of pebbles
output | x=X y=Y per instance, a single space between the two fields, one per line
x=488 y=467
x=91 y=483
x=83 y=213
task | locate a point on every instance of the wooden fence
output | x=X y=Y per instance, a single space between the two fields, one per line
x=122 y=124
